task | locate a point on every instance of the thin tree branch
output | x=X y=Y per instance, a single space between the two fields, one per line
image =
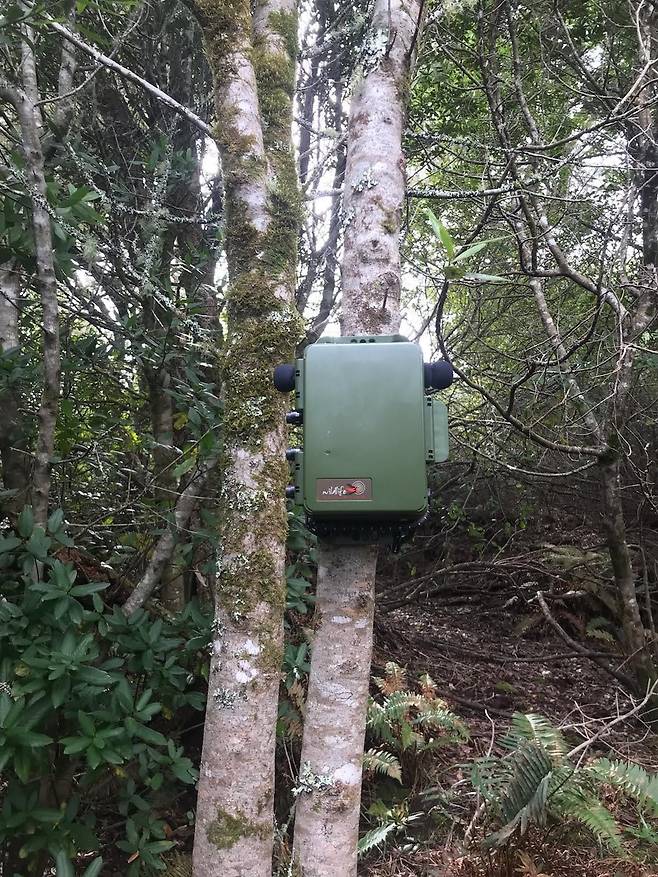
x=167 y=541
x=162 y=96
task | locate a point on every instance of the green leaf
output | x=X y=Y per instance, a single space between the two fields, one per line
x=38 y=544
x=94 y=676
x=55 y=521
x=25 y=523
x=476 y=248
x=442 y=233
x=184 y=467
x=143 y=700
x=60 y=691
x=8 y=543
x=94 y=869
x=89 y=588
x=73 y=745
x=148 y=735
x=86 y=723
x=34 y=740
x=22 y=765
x=63 y=865
x=160 y=846
x=93 y=757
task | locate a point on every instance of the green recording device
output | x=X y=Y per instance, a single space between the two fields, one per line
x=369 y=430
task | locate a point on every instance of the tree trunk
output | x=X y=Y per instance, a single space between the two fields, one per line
x=252 y=58
x=13 y=450
x=327 y=816
x=620 y=557
x=327 y=819
x=29 y=119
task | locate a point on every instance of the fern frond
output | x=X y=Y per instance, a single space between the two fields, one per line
x=397 y=706
x=379 y=761
x=597 y=629
x=528 y=786
x=178 y=865
x=378 y=721
x=396 y=678
x=375 y=837
x=575 y=803
x=437 y=717
x=632 y=779
x=524 y=799
x=537 y=729
x=427 y=686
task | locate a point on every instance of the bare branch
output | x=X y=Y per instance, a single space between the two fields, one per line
x=100 y=58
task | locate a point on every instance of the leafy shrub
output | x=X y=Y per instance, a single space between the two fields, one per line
x=81 y=687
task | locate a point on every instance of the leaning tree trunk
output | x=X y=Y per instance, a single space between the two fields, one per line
x=252 y=58
x=327 y=819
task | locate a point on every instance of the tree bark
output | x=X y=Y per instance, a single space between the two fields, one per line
x=622 y=567
x=252 y=58
x=327 y=815
x=327 y=818
x=29 y=119
x=13 y=448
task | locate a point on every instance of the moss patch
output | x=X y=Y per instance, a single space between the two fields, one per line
x=226 y=829
x=226 y=24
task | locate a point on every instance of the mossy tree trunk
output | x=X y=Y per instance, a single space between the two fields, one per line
x=252 y=59
x=327 y=818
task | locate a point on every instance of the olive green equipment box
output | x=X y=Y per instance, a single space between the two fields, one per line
x=369 y=430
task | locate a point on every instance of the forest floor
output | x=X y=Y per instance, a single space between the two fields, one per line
x=492 y=653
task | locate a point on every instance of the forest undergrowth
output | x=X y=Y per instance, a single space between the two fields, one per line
x=495 y=655
x=500 y=741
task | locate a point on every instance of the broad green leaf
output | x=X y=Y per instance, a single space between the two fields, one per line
x=55 y=521
x=33 y=739
x=8 y=543
x=94 y=676
x=476 y=248
x=63 y=865
x=86 y=723
x=442 y=233
x=184 y=467
x=94 y=869
x=149 y=735
x=73 y=745
x=89 y=588
x=25 y=523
